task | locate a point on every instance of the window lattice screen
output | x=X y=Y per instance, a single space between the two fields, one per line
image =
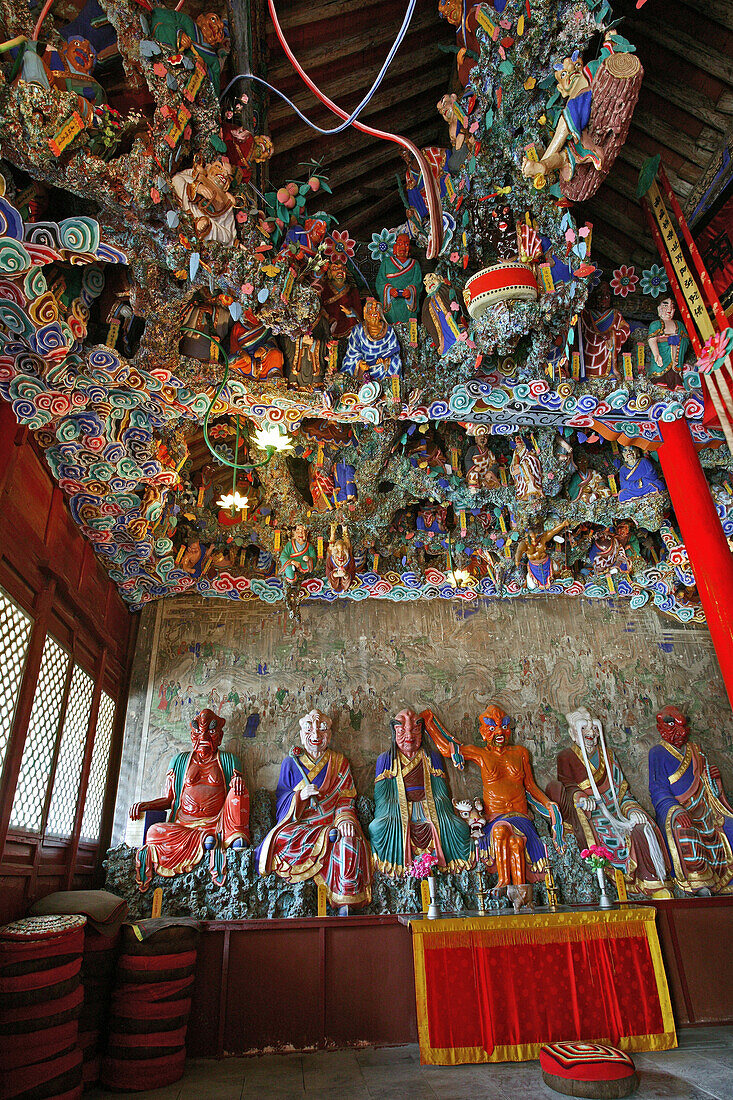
x=71 y=755
x=98 y=773
x=35 y=767
x=15 y=631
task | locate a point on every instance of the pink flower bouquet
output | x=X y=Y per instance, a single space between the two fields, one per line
x=423 y=866
x=597 y=856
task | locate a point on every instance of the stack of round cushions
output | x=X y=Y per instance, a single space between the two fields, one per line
x=587 y=1069
x=40 y=1000
x=97 y=976
x=150 y=1007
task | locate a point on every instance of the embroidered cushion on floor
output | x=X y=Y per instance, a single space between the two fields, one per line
x=588 y=1069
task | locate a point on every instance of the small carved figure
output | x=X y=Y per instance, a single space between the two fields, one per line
x=442 y=322
x=599 y=101
x=253 y=350
x=413 y=812
x=204 y=192
x=340 y=564
x=502 y=236
x=373 y=352
x=637 y=475
x=604 y=332
x=340 y=302
x=596 y=802
x=209 y=807
x=207 y=37
x=398 y=282
x=587 y=484
x=436 y=157
x=298 y=556
x=195 y=558
x=454 y=112
x=509 y=787
x=318 y=835
x=320 y=483
x=607 y=555
x=542 y=570
x=693 y=813
x=482 y=469
x=526 y=471
x=669 y=344
x=243 y=147
x=472 y=812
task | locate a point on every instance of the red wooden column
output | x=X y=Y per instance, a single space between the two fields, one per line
x=702 y=534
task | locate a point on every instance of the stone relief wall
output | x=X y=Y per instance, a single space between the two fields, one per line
x=364 y=662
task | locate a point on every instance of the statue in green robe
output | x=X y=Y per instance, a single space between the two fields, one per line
x=413 y=812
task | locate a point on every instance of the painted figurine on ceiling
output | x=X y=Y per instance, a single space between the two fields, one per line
x=526 y=471
x=607 y=555
x=340 y=564
x=204 y=192
x=373 y=352
x=252 y=349
x=318 y=835
x=597 y=804
x=599 y=101
x=542 y=569
x=320 y=483
x=304 y=248
x=669 y=344
x=587 y=484
x=513 y=848
x=637 y=476
x=398 y=282
x=413 y=811
x=442 y=318
x=243 y=147
x=693 y=813
x=206 y=38
x=340 y=302
x=417 y=206
x=482 y=469
x=298 y=556
x=603 y=332
x=209 y=808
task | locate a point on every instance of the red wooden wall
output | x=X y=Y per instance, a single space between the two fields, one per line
x=50 y=571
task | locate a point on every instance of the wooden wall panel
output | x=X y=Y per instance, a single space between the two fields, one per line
x=49 y=569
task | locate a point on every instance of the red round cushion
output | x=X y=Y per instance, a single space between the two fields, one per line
x=581 y=1061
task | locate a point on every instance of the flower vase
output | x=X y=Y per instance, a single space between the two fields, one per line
x=605 y=902
x=433 y=910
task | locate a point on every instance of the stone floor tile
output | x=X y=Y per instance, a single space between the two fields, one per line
x=384 y=1056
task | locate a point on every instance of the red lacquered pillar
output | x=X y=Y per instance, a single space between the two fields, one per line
x=702 y=534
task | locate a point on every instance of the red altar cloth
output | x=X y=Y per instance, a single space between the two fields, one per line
x=494 y=989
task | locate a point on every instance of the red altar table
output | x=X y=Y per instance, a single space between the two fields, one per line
x=495 y=988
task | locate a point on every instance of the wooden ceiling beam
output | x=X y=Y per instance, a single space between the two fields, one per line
x=390 y=113
x=315 y=57
x=634 y=158
x=694 y=103
x=720 y=11
x=618 y=222
x=684 y=45
x=373 y=214
x=696 y=150
x=353 y=82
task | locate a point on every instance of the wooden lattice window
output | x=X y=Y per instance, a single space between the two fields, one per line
x=92 y=818
x=43 y=730
x=71 y=755
x=15 y=632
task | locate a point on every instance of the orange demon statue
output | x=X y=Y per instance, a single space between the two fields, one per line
x=509 y=789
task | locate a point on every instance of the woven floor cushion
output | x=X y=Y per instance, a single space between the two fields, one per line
x=592 y=1070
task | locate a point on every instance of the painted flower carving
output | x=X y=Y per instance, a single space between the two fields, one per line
x=340 y=246
x=624 y=280
x=654 y=280
x=382 y=243
x=717 y=348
